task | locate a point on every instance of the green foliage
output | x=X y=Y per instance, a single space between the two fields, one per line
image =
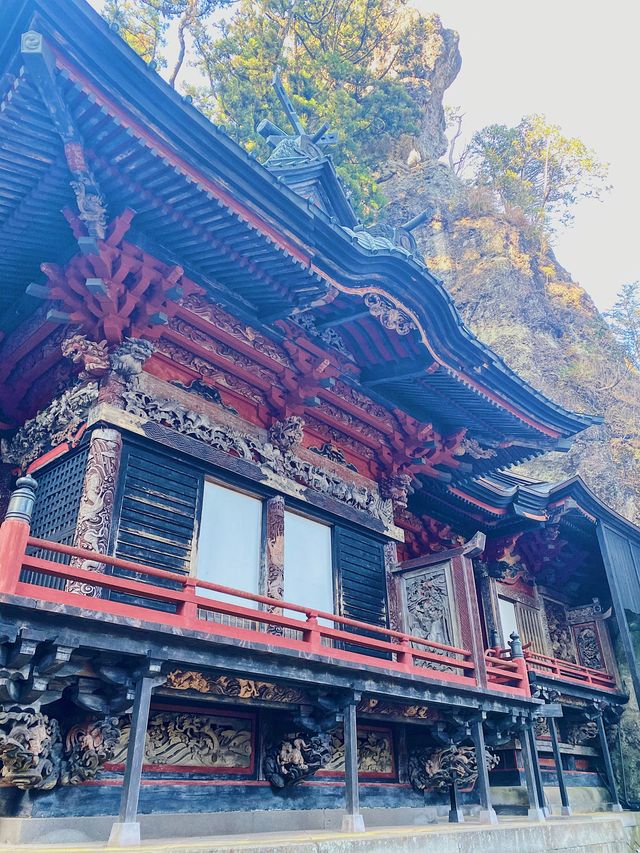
x=624 y=319
x=536 y=168
x=359 y=65
x=343 y=62
x=144 y=23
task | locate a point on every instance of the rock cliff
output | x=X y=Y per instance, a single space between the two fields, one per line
x=515 y=295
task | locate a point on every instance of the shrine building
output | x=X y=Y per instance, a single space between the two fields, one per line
x=264 y=562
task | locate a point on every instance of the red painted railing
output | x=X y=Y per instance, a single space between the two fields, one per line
x=556 y=668
x=335 y=638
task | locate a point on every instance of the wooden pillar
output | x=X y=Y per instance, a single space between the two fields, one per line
x=352 y=820
x=611 y=779
x=126 y=830
x=95 y=514
x=487 y=812
x=536 y=809
x=564 y=795
x=274 y=549
x=537 y=772
x=455 y=811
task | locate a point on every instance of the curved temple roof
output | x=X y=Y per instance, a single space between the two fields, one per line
x=237 y=228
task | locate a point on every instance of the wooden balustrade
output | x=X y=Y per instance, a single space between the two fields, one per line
x=327 y=635
x=556 y=668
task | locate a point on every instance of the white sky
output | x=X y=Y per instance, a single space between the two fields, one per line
x=577 y=62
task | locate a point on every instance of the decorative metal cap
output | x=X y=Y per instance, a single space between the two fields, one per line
x=516 y=645
x=22 y=499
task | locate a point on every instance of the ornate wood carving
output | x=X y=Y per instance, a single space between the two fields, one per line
x=92 y=355
x=30 y=749
x=437 y=769
x=96 y=504
x=375 y=752
x=296 y=757
x=241 y=688
x=389 y=315
x=580 y=732
x=275 y=549
x=428 y=605
x=391 y=709
x=559 y=632
x=193 y=740
x=588 y=645
x=334 y=454
x=62 y=420
x=88 y=746
x=274 y=454
x=34 y=756
x=393 y=596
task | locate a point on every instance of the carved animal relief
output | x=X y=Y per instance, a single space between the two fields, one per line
x=437 y=769
x=297 y=757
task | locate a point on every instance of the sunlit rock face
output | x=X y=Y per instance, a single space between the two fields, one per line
x=515 y=295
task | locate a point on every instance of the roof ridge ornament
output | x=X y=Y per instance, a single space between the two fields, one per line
x=300 y=146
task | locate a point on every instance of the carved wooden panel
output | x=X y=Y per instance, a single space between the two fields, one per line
x=375 y=753
x=560 y=636
x=428 y=603
x=191 y=739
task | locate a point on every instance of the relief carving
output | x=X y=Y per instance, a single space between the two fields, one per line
x=241 y=688
x=589 y=647
x=328 y=336
x=30 y=749
x=438 y=769
x=389 y=315
x=275 y=549
x=333 y=454
x=559 y=632
x=88 y=746
x=375 y=752
x=397 y=488
x=428 y=610
x=580 y=732
x=193 y=740
x=96 y=505
x=275 y=454
x=297 y=757
x=60 y=421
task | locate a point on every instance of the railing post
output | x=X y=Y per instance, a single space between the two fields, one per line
x=517 y=656
x=352 y=820
x=14 y=532
x=311 y=632
x=188 y=608
x=404 y=656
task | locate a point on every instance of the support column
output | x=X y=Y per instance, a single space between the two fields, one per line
x=14 y=532
x=274 y=550
x=537 y=773
x=96 y=504
x=353 y=820
x=487 y=812
x=536 y=809
x=127 y=829
x=564 y=795
x=611 y=779
x=455 y=810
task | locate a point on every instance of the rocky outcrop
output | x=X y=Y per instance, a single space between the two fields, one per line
x=515 y=295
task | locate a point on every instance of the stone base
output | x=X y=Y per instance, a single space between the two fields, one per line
x=487 y=816
x=602 y=833
x=124 y=835
x=536 y=814
x=353 y=823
